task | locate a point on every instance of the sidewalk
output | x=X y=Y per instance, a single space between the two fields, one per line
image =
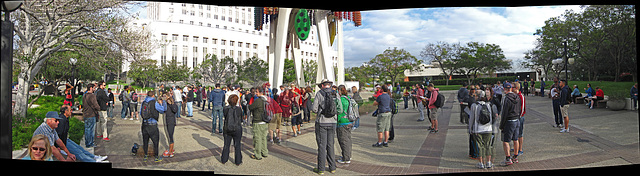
x=598 y=137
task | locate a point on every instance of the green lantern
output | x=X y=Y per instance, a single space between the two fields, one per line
x=303 y=24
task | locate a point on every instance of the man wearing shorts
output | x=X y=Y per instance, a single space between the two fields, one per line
x=564 y=105
x=510 y=124
x=433 y=110
x=383 y=123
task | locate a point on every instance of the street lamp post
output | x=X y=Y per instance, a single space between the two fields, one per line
x=73 y=62
x=6 y=77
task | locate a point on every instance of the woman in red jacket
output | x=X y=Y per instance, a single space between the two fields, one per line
x=599 y=96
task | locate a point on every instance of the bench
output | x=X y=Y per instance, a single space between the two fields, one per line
x=599 y=103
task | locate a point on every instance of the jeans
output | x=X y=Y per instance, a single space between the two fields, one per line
x=125 y=109
x=324 y=140
x=179 y=104
x=110 y=111
x=216 y=115
x=236 y=137
x=89 y=131
x=81 y=154
x=204 y=102
x=189 y=109
x=260 y=140
x=356 y=124
x=421 y=109
x=406 y=102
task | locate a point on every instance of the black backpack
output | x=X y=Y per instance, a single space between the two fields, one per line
x=394 y=106
x=232 y=122
x=148 y=110
x=439 y=100
x=485 y=114
x=329 y=108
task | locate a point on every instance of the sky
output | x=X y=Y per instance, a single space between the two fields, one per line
x=511 y=28
x=412 y=29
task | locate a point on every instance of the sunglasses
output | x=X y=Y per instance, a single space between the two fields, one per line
x=37 y=148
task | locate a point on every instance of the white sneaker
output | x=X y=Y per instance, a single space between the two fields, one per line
x=480 y=166
x=130 y=118
x=101 y=158
x=564 y=130
x=344 y=162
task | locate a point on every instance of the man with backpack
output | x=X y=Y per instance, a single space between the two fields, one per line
x=150 y=112
x=383 y=122
x=325 y=105
x=482 y=119
x=259 y=125
x=435 y=102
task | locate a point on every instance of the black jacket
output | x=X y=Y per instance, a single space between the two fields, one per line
x=510 y=108
x=102 y=99
x=190 y=95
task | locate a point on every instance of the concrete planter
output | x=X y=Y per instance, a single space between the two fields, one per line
x=616 y=105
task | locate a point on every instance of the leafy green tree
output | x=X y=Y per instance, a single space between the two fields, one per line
x=216 y=70
x=480 y=58
x=144 y=71
x=174 y=72
x=309 y=71
x=253 y=71
x=289 y=74
x=392 y=63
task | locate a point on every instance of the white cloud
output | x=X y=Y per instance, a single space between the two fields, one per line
x=411 y=29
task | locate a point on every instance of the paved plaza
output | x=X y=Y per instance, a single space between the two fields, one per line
x=598 y=137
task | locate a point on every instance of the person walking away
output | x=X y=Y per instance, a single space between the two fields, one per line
x=383 y=122
x=509 y=124
x=170 y=116
x=433 y=110
x=89 y=114
x=482 y=119
x=232 y=130
x=150 y=112
x=103 y=102
x=343 y=129
x=259 y=126
x=217 y=97
x=564 y=105
x=463 y=96
x=325 y=105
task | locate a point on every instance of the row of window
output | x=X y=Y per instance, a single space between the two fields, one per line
x=196 y=39
x=205 y=52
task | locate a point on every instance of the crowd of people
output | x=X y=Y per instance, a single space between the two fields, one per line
x=487 y=110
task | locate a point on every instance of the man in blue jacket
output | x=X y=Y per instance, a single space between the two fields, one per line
x=150 y=124
x=217 y=97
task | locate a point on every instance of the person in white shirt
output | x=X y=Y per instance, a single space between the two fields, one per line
x=177 y=97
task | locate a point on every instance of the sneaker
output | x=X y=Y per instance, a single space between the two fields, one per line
x=377 y=145
x=480 y=166
x=146 y=158
x=101 y=158
x=158 y=159
x=130 y=118
x=514 y=160
x=166 y=153
x=106 y=139
x=385 y=144
x=318 y=172
x=343 y=162
x=563 y=131
x=489 y=165
x=295 y=134
x=99 y=136
x=506 y=162
x=433 y=131
x=333 y=171
x=299 y=132
x=520 y=153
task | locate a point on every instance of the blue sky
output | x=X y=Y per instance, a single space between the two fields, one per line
x=411 y=29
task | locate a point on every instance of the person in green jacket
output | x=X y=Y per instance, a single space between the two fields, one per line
x=259 y=127
x=343 y=130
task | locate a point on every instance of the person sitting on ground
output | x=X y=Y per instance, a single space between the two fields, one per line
x=63 y=133
x=39 y=149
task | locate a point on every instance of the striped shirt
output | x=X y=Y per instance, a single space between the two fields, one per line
x=47 y=131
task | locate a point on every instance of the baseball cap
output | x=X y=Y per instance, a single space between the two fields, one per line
x=325 y=81
x=53 y=114
x=507 y=85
